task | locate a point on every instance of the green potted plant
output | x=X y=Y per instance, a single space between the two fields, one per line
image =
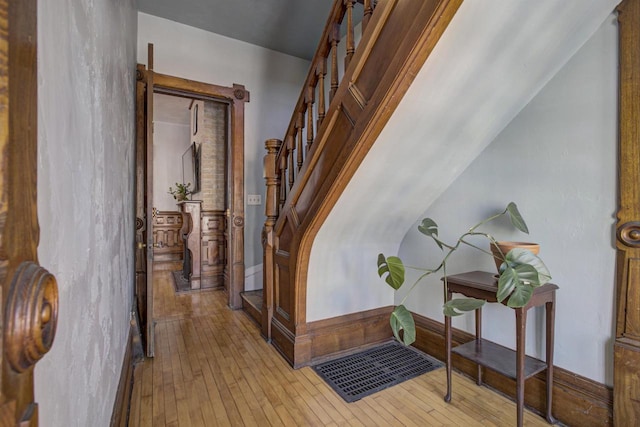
x=181 y=192
x=520 y=271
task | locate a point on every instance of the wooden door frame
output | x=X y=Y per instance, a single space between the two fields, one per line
x=28 y=292
x=235 y=96
x=626 y=384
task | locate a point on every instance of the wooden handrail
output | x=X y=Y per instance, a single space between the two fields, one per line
x=307 y=118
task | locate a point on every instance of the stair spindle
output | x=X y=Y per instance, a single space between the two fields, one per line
x=292 y=148
x=351 y=48
x=283 y=180
x=368 y=11
x=309 y=98
x=299 y=127
x=334 y=40
x=271 y=175
x=321 y=71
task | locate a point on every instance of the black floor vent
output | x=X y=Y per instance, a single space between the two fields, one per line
x=358 y=375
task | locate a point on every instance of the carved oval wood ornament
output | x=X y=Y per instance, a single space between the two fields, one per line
x=31 y=317
x=629 y=234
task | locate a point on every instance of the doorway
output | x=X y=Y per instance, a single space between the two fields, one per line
x=190 y=153
x=150 y=85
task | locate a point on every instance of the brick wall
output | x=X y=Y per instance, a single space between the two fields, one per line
x=211 y=136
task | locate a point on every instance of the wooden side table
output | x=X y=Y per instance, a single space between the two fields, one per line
x=513 y=364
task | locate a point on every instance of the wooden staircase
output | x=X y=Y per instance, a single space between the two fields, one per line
x=325 y=142
x=252 y=305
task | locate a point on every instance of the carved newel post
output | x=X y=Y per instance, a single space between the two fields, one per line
x=271 y=211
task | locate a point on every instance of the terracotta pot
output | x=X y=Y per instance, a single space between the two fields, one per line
x=505 y=247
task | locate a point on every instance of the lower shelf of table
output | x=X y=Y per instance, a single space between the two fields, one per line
x=498 y=358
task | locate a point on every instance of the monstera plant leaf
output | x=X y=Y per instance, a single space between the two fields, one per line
x=428 y=227
x=402 y=320
x=516 y=218
x=520 y=256
x=395 y=269
x=456 y=307
x=520 y=274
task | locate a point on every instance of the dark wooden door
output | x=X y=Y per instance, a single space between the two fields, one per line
x=28 y=293
x=144 y=203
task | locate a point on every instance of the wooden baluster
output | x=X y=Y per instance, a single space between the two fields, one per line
x=283 y=177
x=334 y=40
x=368 y=11
x=291 y=147
x=271 y=212
x=321 y=71
x=309 y=98
x=351 y=47
x=299 y=127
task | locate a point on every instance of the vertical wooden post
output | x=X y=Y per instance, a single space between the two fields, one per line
x=321 y=71
x=309 y=99
x=299 y=127
x=282 y=176
x=271 y=212
x=351 y=46
x=368 y=11
x=334 y=39
x=626 y=384
x=291 y=147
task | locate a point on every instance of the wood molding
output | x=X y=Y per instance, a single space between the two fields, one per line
x=627 y=336
x=576 y=400
x=235 y=96
x=120 y=414
x=331 y=337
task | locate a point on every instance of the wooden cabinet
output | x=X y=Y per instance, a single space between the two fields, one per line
x=167 y=242
x=203 y=234
x=213 y=249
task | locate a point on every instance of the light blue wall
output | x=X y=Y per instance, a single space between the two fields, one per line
x=557 y=161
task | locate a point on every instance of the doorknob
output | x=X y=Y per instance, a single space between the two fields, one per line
x=142 y=245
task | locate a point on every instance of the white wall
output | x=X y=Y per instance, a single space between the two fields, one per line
x=86 y=60
x=477 y=79
x=170 y=141
x=273 y=79
x=557 y=161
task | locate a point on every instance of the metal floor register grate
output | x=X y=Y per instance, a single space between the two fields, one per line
x=358 y=375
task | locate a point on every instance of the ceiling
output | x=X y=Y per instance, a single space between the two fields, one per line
x=291 y=27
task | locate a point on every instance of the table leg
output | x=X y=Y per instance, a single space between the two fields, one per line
x=521 y=325
x=447 y=348
x=478 y=338
x=550 y=309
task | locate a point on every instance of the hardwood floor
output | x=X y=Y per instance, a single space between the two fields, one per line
x=213 y=368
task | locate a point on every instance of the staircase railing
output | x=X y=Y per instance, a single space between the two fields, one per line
x=308 y=115
x=336 y=120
